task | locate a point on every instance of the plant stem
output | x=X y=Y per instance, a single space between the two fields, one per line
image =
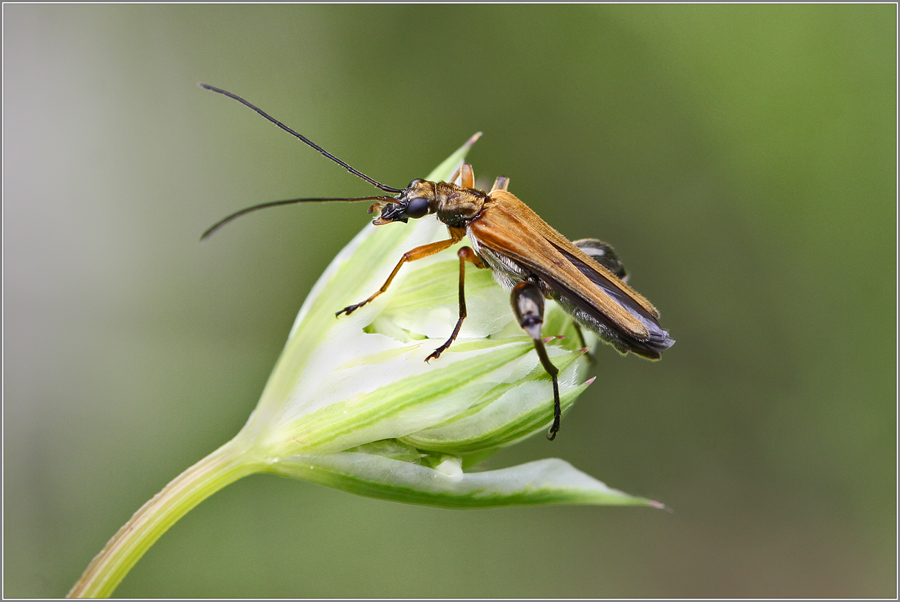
x=222 y=467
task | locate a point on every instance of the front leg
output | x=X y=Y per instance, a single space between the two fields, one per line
x=528 y=305
x=465 y=254
x=417 y=253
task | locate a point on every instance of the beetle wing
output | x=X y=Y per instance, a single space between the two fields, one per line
x=510 y=228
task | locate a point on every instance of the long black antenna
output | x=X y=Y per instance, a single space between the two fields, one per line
x=237 y=214
x=304 y=139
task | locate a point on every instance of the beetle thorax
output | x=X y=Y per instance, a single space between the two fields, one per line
x=457 y=206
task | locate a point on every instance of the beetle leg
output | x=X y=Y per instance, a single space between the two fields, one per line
x=465 y=254
x=528 y=305
x=581 y=338
x=417 y=253
x=501 y=183
x=466 y=176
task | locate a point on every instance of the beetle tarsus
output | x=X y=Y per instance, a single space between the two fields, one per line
x=437 y=352
x=350 y=309
x=551 y=434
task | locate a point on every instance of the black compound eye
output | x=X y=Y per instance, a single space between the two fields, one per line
x=417 y=207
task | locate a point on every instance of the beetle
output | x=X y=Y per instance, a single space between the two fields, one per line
x=525 y=254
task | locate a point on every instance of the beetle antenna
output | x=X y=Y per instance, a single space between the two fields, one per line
x=246 y=210
x=304 y=139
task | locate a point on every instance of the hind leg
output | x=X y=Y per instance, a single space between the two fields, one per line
x=528 y=305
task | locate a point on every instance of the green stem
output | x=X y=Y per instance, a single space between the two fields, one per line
x=222 y=467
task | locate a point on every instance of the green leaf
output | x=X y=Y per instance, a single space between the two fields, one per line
x=549 y=481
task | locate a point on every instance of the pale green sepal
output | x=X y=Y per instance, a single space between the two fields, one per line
x=506 y=414
x=543 y=482
x=430 y=395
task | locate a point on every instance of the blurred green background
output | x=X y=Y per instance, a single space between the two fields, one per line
x=740 y=158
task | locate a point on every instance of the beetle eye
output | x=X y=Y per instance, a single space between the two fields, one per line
x=417 y=207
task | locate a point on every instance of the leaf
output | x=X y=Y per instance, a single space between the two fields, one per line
x=543 y=482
